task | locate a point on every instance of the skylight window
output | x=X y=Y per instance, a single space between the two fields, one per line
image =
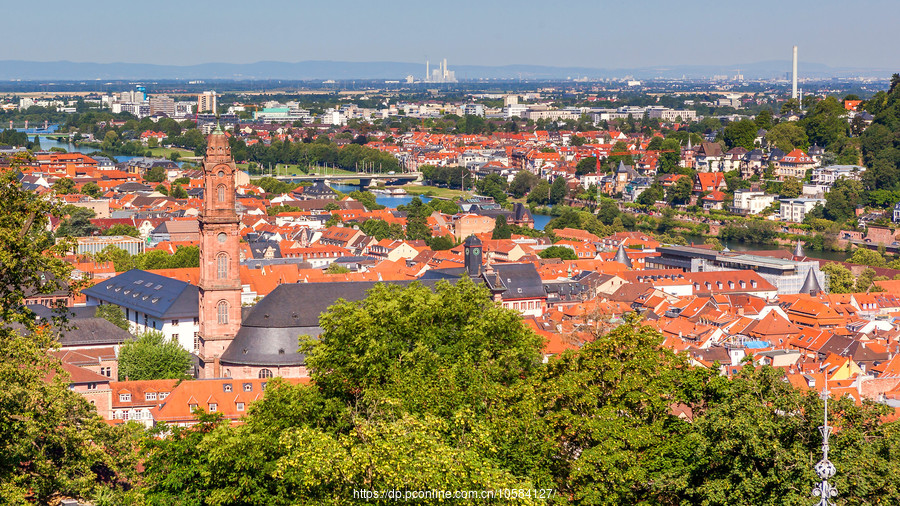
x=157 y=287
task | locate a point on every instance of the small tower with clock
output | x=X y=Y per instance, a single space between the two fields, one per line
x=220 y=282
x=473 y=255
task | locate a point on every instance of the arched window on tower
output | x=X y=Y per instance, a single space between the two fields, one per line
x=222 y=311
x=221 y=192
x=222 y=266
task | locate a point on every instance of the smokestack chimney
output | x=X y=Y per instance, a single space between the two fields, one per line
x=794 y=80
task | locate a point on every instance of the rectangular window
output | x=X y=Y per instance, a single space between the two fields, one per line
x=163 y=395
x=175 y=337
x=240 y=406
x=196 y=341
x=150 y=396
x=124 y=397
x=174 y=323
x=213 y=408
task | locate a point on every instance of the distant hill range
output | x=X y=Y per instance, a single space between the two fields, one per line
x=313 y=70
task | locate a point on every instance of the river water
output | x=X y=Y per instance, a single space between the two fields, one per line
x=839 y=256
x=47 y=143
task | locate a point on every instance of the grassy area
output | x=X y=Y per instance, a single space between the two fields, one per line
x=166 y=152
x=434 y=191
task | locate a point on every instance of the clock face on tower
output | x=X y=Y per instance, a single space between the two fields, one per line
x=467 y=251
x=222 y=237
x=476 y=250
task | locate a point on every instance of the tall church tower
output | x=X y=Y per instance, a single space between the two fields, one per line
x=220 y=282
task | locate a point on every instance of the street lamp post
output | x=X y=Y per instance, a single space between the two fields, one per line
x=824 y=468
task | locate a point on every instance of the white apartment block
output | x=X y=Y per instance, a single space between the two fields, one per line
x=794 y=210
x=751 y=202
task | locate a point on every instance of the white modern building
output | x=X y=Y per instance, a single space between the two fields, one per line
x=795 y=210
x=751 y=201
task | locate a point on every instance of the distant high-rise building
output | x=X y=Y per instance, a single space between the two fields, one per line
x=440 y=75
x=162 y=104
x=206 y=101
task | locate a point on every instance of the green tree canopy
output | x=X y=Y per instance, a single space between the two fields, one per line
x=587 y=165
x=740 y=133
x=786 y=136
x=156 y=174
x=561 y=252
x=559 y=190
x=522 y=183
x=113 y=314
x=501 y=228
x=91 y=189
x=151 y=356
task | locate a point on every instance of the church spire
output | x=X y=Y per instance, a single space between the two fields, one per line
x=622 y=256
x=811 y=284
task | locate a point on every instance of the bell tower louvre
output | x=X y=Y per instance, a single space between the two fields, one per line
x=220 y=283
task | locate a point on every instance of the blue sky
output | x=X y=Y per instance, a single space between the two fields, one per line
x=599 y=33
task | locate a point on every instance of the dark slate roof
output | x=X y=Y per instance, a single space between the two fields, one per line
x=518 y=281
x=449 y=273
x=320 y=189
x=258 y=248
x=155 y=295
x=92 y=332
x=132 y=187
x=270 y=332
x=565 y=290
x=521 y=213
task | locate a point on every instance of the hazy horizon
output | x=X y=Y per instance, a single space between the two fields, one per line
x=600 y=35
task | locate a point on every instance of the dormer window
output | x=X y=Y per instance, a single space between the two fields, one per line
x=124 y=397
x=150 y=396
x=227 y=387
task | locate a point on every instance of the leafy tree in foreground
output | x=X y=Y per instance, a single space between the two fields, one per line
x=52 y=442
x=151 y=357
x=609 y=412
